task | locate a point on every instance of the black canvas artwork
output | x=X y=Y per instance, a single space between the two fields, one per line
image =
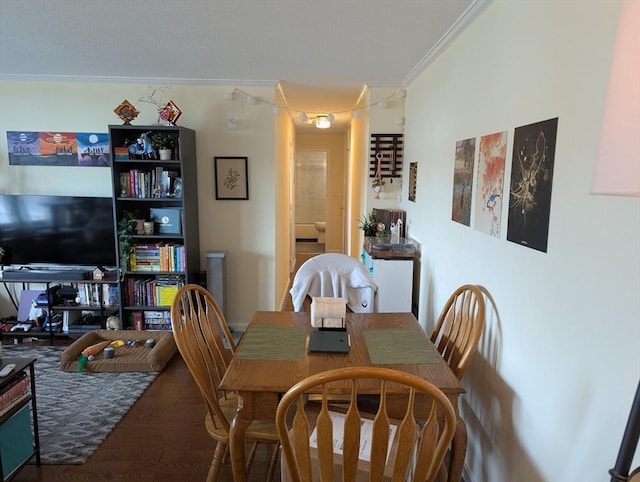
x=533 y=158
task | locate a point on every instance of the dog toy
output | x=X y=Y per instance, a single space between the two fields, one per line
x=89 y=353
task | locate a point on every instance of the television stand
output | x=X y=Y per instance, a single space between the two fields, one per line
x=95 y=296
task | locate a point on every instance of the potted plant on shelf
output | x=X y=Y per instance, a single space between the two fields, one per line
x=163 y=143
x=126 y=229
x=368 y=224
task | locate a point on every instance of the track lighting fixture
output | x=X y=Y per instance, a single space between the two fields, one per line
x=322 y=121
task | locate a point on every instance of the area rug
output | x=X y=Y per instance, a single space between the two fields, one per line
x=76 y=411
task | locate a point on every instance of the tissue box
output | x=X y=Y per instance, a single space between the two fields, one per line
x=328 y=312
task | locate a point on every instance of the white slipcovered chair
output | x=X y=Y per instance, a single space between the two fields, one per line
x=334 y=275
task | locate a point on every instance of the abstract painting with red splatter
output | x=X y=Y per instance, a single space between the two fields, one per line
x=490 y=183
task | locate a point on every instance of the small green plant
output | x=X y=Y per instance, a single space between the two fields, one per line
x=126 y=230
x=368 y=224
x=161 y=140
x=377 y=182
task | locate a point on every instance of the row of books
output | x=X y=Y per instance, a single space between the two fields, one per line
x=157 y=320
x=156 y=183
x=151 y=320
x=157 y=257
x=158 y=291
x=90 y=294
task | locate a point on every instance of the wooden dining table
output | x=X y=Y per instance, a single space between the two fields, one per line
x=273 y=356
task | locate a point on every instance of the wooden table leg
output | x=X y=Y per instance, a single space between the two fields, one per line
x=458 y=452
x=238 y=427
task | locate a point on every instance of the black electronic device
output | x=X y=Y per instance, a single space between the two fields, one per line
x=57 y=230
x=49 y=297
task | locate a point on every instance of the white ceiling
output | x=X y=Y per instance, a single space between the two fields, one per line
x=323 y=52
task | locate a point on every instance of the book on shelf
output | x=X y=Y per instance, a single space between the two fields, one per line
x=157 y=257
x=158 y=291
x=166 y=295
x=95 y=294
x=157 y=326
x=155 y=183
x=76 y=329
x=138 y=320
x=157 y=320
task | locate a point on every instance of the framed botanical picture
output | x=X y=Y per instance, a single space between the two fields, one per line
x=231 y=177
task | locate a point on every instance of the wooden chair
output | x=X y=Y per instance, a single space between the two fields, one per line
x=419 y=447
x=459 y=328
x=206 y=345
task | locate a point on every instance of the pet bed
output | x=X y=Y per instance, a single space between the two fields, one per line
x=134 y=356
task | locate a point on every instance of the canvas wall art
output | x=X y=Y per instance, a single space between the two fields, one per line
x=463 y=181
x=27 y=148
x=492 y=153
x=533 y=158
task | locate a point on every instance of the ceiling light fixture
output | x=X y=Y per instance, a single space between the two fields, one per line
x=323 y=122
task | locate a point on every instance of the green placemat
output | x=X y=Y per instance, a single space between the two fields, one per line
x=387 y=346
x=264 y=342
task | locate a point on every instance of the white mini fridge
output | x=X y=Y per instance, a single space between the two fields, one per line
x=394 y=278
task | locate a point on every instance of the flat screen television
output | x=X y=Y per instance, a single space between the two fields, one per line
x=57 y=230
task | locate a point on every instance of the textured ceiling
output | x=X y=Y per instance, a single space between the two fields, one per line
x=322 y=51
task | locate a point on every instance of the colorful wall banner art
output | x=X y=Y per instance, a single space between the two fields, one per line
x=58 y=149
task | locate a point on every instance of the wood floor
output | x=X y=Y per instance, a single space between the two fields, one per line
x=161 y=438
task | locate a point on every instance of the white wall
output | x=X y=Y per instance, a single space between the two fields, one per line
x=246 y=229
x=549 y=395
x=383 y=121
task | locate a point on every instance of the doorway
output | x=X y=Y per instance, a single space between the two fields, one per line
x=310 y=200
